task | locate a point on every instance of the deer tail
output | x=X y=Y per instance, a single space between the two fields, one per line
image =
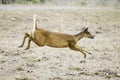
x=35 y=23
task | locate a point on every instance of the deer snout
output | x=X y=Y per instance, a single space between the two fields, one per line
x=92 y=37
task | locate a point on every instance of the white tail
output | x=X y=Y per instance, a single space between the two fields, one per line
x=34 y=22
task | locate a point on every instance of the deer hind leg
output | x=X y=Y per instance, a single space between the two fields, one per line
x=29 y=41
x=25 y=36
x=72 y=45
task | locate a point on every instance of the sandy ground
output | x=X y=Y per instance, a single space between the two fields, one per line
x=46 y=63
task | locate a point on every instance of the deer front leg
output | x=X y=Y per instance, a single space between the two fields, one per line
x=73 y=47
x=25 y=36
x=84 y=50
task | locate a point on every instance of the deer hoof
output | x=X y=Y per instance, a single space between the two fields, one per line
x=20 y=46
x=26 y=48
x=90 y=53
x=84 y=56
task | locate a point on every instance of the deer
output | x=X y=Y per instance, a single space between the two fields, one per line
x=42 y=37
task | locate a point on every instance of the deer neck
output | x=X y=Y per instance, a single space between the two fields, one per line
x=79 y=36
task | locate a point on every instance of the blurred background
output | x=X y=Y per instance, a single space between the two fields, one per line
x=109 y=3
x=102 y=17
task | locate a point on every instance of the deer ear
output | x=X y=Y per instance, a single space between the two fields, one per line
x=85 y=29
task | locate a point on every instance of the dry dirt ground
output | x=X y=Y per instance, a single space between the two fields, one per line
x=46 y=63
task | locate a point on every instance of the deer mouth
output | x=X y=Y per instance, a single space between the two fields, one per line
x=92 y=37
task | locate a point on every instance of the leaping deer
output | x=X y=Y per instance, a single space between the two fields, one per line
x=53 y=39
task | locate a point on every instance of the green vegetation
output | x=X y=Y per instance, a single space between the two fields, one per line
x=21 y=1
x=115 y=3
